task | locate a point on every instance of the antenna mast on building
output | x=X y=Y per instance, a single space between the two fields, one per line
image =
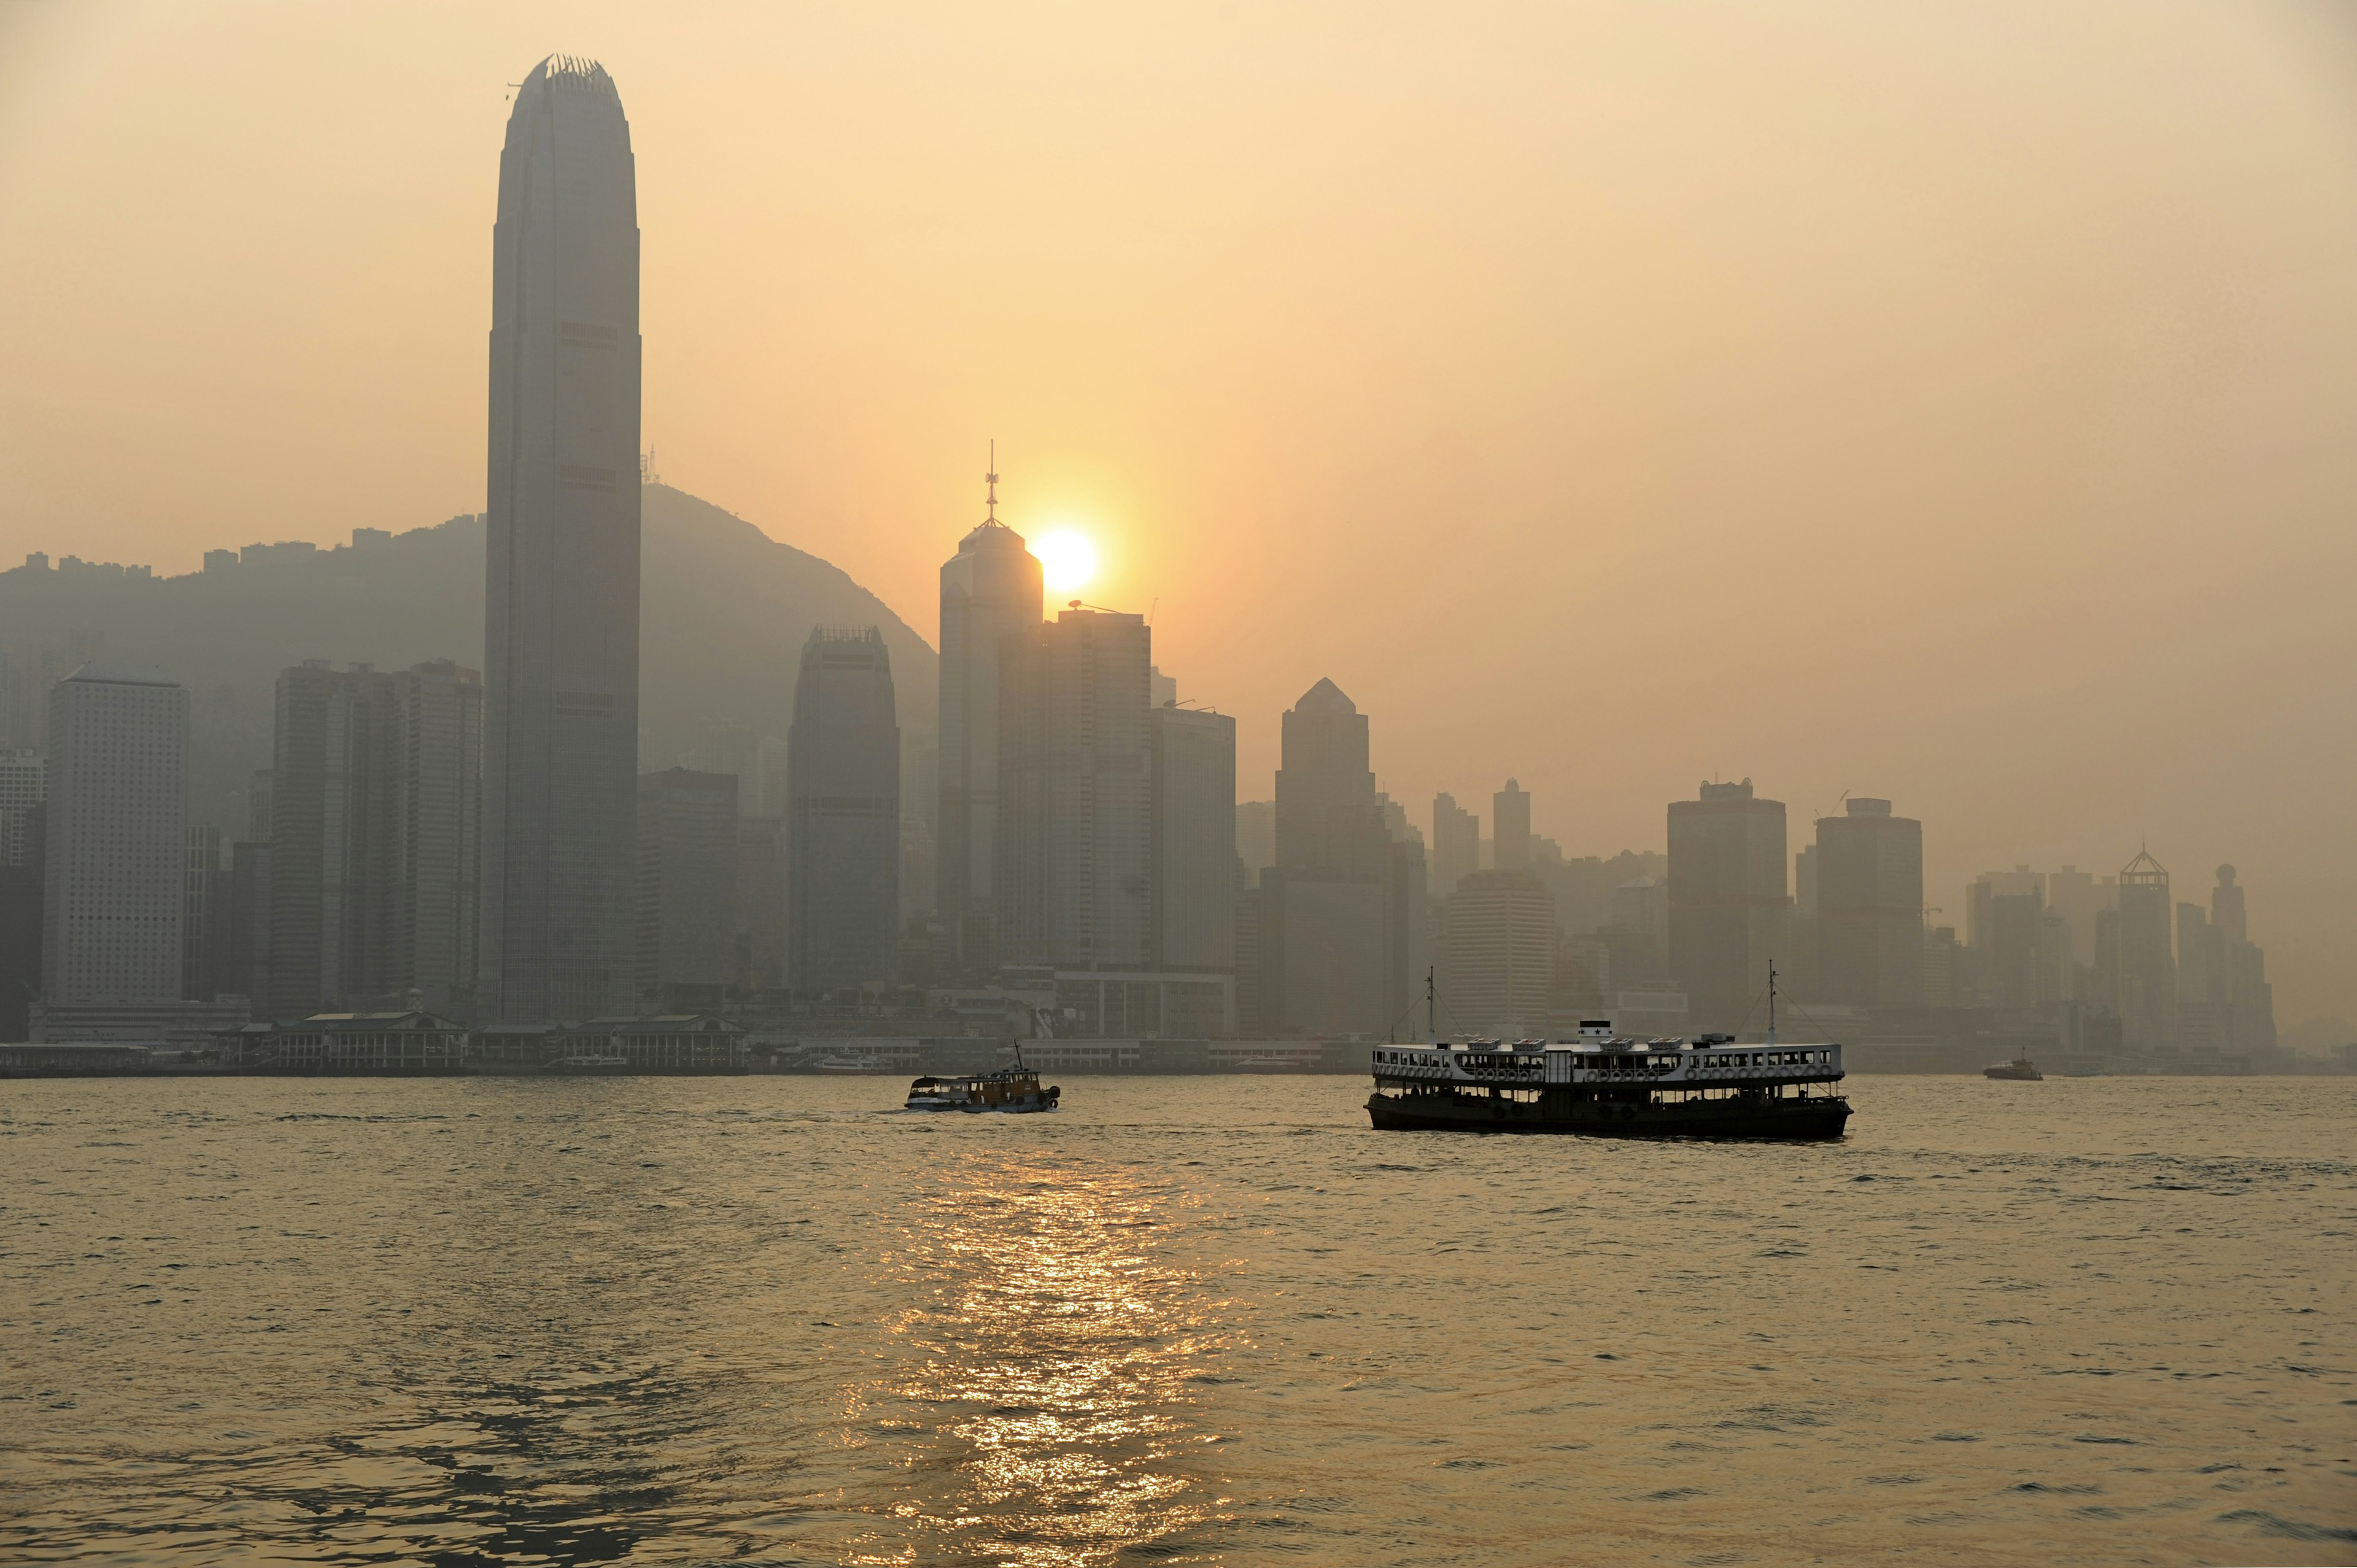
x=991 y=478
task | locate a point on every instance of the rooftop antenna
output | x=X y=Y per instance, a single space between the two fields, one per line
x=991 y=478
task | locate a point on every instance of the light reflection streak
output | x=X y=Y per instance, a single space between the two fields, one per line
x=1040 y=1401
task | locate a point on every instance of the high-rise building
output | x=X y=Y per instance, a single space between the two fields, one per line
x=24 y=785
x=686 y=946
x=375 y=838
x=1193 y=877
x=1500 y=939
x=1255 y=838
x=1510 y=812
x=116 y=825
x=1455 y=844
x=2244 y=999
x=1727 y=902
x=2146 y=972
x=843 y=833
x=1868 y=903
x=2199 y=983
x=560 y=643
x=2077 y=896
x=1073 y=878
x=761 y=899
x=205 y=915
x=990 y=589
x=1342 y=910
x=20 y=931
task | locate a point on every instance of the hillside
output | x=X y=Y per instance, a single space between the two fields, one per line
x=724 y=615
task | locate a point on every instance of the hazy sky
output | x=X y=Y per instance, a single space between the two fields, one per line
x=1954 y=403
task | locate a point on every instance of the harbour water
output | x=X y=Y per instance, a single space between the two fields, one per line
x=1183 y=1320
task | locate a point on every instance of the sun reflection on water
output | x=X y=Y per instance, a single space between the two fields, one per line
x=1042 y=1399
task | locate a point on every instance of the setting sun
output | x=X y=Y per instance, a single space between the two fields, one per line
x=1067 y=559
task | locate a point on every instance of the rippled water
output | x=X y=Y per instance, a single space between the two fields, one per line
x=1183 y=1320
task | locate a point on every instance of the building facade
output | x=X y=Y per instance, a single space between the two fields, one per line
x=561 y=641
x=1499 y=935
x=991 y=589
x=1727 y=902
x=2146 y=975
x=1455 y=844
x=1074 y=875
x=1192 y=799
x=1868 y=905
x=1510 y=815
x=843 y=833
x=687 y=884
x=116 y=821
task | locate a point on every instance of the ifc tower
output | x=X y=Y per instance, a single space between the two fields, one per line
x=561 y=601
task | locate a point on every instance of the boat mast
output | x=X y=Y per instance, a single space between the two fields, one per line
x=1771 y=1001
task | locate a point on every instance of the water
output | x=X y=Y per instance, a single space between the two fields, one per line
x=1181 y=1321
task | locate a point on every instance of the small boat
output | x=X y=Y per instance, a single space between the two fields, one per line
x=588 y=1066
x=1269 y=1064
x=848 y=1067
x=1014 y=1090
x=2020 y=1070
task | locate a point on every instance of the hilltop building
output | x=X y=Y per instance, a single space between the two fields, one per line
x=561 y=603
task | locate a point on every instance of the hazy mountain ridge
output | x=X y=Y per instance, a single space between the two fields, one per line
x=724 y=610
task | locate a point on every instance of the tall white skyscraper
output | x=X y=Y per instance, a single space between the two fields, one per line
x=110 y=905
x=561 y=645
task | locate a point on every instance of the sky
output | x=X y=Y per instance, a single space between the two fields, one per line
x=1942 y=401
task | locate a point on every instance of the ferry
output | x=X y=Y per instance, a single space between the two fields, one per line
x=2020 y=1070
x=1014 y=1090
x=1607 y=1085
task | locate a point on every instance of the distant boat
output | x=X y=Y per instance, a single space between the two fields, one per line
x=2020 y=1069
x=849 y=1067
x=1014 y=1090
x=1270 y=1064
x=588 y=1066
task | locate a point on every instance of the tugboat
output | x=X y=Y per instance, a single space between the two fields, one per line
x=1015 y=1091
x=2020 y=1070
x=1606 y=1085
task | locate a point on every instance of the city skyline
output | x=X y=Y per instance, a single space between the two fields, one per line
x=2202 y=752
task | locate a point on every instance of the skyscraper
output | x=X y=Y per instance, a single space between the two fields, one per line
x=1509 y=812
x=1193 y=877
x=2146 y=965
x=375 y=822
x=116 y=821
x=24 y=785
x=843 y=833
x=1073 y=877
x=1500 y=939
x=990 y=588
x=1868 y=871
x=561 y=640
x=1727 y=902
x=686 y=943
x=1455 y=844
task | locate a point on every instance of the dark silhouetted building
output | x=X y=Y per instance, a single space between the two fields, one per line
x=1726 y=913
x=990 y=590
x=116 y=828
x=1075 y=876
x=1510 y=810
x=561 y=641
x=843 y=833
x=687 y=886
x=1868 y=903
x=1194 y=879
x=1455 y=844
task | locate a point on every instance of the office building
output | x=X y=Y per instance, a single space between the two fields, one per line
x=20 y=931
x=990 y=591
x=1727 y=903
x=1343 y=910
x=686 y=823
x=2146 y=983
x=116 y=821
x=1499 y=935
x=1074 y=879
x=843 y=833
x=561 y=642
x=374 y=816
x=1510 y=812
x=1192 y=797
x=205 y=915
x=24 y=785
x=1255 y=838
x=2246 y=1008
x=761 y=868
x=1868 y=899
x=1455 y=844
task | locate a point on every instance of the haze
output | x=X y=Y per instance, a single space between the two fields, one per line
x=1952 y=405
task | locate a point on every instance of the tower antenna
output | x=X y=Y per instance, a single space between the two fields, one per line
x=991 y=478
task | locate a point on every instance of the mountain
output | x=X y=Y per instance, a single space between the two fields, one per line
x=724 y=610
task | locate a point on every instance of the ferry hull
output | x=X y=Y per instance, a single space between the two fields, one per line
x=1816 y=1118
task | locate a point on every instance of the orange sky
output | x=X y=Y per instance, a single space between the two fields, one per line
x=1949 y=403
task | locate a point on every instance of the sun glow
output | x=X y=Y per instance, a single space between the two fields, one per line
x=1067 y=559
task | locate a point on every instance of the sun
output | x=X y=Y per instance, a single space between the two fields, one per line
x=1067 y=559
